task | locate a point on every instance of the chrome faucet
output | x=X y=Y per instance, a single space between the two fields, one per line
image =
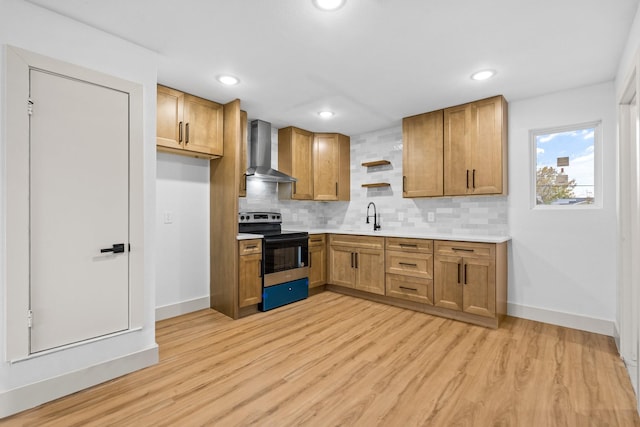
x=376 y=226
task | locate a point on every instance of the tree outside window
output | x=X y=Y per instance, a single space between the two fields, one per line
x=565 y=165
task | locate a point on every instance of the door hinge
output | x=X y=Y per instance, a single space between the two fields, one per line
x=29 y=106
x=29 y=318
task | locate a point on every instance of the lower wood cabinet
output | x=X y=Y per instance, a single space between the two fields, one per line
x=409 y=267
x=249 y=272
x=466 y=278
x=317 y=260
x=357 y=262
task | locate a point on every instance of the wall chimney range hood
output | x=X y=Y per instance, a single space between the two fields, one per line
x=260 y=155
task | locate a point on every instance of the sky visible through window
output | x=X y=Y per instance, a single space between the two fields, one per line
x=572 y=180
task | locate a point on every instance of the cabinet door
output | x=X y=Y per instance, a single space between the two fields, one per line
x=203 y=125
x=486 y=146
x=456 y=154
x=369 y=265
x=242 y=190
x=326 y=158
x=250 y=280
x=447 y=285
x=317 y=266
x=422 y=155
x=302 y=164
x=169 y=117
x=341 y=266
x=479 y=287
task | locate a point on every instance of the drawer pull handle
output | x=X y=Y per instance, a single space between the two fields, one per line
x=408 y=264
x=462 y=249
x=251 y=247
x=408 y=245
x=408 y=289
x=316 y=240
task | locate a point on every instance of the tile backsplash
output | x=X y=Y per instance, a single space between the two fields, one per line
x=477 y=215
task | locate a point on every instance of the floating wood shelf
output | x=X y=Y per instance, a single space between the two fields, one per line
x=376 y=163
x=377 y=184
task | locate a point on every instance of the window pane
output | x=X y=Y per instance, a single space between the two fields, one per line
x=565 y=173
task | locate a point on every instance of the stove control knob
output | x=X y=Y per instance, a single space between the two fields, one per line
x=242 y=218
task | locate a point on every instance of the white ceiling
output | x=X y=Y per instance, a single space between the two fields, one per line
x=372 y=61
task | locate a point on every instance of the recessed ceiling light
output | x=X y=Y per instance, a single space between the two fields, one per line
x=329 y=4
x=326 y=114
x=483 y=75
x=228 y=80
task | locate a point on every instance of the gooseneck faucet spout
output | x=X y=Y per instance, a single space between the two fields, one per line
x=376 y=225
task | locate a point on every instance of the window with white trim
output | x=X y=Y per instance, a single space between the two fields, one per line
x=566 y=173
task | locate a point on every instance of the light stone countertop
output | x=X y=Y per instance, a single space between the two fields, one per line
x=408 y=234
x=247 y=236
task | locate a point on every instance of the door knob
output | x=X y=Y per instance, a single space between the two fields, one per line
x=116 y=248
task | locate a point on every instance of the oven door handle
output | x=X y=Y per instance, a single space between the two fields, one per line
x=283 y=238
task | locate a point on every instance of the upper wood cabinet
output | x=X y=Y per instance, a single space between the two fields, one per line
x=331 y=163
x=188 y=125
x=295 y=158
x=242 y=190
x=320 y=162
x=422 y=154
x=457 y=151
x=475 y=148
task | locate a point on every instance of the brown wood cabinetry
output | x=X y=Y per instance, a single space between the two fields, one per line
x=422 y=155
x=295 y=158
x=457 y=151
x=242 y=191
x=357 y=262
x=409 y=268
x=471 y=278
x=249 y=272
x=475 y=141
x=331 y=163
x=317 y=260
x=188 y=125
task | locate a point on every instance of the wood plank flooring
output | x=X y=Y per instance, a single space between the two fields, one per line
x=335 y=360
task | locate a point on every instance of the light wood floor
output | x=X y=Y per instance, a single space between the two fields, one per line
x=334 y=360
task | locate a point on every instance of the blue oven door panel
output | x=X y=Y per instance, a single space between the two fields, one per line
x=285 y=293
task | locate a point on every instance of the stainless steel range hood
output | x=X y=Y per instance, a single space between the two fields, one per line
x=260 y=155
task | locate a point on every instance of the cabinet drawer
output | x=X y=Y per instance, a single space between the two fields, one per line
x=410 y=288
x=410 y=264
x=409 y=245
x=466 y=249
x=317 y=239
x=247 y=247
x=365 y=242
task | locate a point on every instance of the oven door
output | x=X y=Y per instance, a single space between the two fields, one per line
x=285 y=258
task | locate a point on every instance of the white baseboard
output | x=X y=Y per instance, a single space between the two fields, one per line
x=32 y=395
x=569 y=320
x=184 y=307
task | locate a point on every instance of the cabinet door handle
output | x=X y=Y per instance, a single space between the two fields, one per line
x=245 y=181
x=404 y=184
x=408 y=264
x=356 y=260
x=180 y=132
x=467 y=178
x=336 y=189
x=352 y=254
x=408 y=289
x=464 y=278
x=186 y=130
x=295 y=188
x=309 y=255
x=473 y=179
x=459 y=268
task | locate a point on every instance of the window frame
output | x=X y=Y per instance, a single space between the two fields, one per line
x=597 y=164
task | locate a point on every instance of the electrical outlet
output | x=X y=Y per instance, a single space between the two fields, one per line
x=167 y=217
x=431 y=217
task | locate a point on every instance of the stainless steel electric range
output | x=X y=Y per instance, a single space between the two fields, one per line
x=285 y=255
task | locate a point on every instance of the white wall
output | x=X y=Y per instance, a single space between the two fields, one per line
x=182 y=191
x=24 y=383
x=563 y=263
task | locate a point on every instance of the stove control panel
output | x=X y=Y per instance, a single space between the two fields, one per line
x=259 y=217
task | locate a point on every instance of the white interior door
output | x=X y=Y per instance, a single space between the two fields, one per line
x=79 y=204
